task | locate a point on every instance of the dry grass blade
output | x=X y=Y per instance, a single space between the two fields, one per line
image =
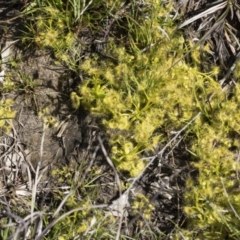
x=230 y=70
x=37 y=177
x=83 y=10
x=62 y=203
x=216 y=25
x=203 y=14
x=25 y=224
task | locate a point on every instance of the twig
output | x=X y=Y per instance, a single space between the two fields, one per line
x=62 y=203
x=117 y=179
x=119 y=227
x=10 y=19
x=37 y=179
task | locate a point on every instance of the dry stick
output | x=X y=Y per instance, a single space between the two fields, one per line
x=117 y=179
x=39 y=226
x=25 y=224
x=37 y=215
x=10 y=19
x=19 y=220
x=181 y=234
x=62 y=126
x=181 y=138
x=119 y=227
x=62 y=203
x=37 y=179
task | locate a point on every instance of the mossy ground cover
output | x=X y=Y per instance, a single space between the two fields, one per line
x=157 y=153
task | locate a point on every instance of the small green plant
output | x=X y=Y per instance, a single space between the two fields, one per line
x=26 y=84
x=48 y=119
x=137 y=98
x=6 y=114
x=212 y=201
x=50 y=29
x=58 y=25
x=142 y=205
x=87 y=222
